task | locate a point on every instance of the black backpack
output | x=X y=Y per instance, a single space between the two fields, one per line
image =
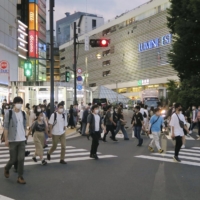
x=55 y=118
x=145 y=115
x=10 y=117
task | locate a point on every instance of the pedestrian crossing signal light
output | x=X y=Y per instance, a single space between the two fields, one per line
x=67 y=76
x=28 y=68
x=99 y=42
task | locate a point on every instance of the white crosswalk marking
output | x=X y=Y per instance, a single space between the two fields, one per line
x=186 y=137
x=187 y=156
x=5 y=198
x=72 y=154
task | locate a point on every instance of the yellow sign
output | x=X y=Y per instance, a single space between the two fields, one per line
x=33 y=16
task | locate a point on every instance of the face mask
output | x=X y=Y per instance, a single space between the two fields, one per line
x=41 y=118
x=7 y=107
x=180 y=109
x=96 y=111
x=60 y=110
x=18 y=106
x=42 y=109
x=39 y=110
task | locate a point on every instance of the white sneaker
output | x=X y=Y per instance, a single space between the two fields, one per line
x=190 y=132
x=183 y=146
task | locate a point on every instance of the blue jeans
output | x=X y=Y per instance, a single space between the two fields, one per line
x=137 y=131
x=121 y=127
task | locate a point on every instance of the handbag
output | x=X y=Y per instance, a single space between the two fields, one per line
x=181 y=123
x=153 y=124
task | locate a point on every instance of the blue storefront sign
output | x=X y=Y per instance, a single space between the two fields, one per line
x=155 y=43
x=79 y=87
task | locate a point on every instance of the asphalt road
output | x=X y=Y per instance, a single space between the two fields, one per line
x=118 y=175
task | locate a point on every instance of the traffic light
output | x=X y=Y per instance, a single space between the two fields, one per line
x=27 y=68
x=99 y=42
x=67 y=76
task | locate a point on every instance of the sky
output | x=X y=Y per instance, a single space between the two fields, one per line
x=109 y=9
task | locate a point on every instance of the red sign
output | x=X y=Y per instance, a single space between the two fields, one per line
x=4 y=66
x=33 y=44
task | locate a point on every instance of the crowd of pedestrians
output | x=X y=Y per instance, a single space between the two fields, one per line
x=95 y=121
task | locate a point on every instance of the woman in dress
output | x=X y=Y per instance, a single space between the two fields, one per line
x=38 y=130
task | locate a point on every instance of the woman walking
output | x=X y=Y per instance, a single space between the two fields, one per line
x=27 y=110
x=121 y=123
x=38 y=130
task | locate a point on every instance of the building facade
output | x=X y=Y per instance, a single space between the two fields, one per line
x=8 y=47
x=136 y=59
x=85 y=22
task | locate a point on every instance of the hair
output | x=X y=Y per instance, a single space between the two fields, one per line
x=145 y=106
x=137 y=107
x=56 y=102
x=44 y=100
x=177 y=105
x=89 y=104
x=38 y=113
x=60 y=104
x=142 y=105
x=109 y=107
x=156 y=110
x=95 y=106
x=71 y=106
x=27 y=105
x=119 y=111
x=152 y=108
x=17 y=100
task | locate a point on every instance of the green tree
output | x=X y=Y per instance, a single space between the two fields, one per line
x=184 y=23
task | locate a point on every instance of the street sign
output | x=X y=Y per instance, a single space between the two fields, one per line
x=87 y=48
x=79 y=87
x=4 y=67
x=79 y=71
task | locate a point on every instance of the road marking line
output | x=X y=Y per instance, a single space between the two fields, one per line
x=195 y=147
x=190 y=150
x=169 y=160
x=5 y=198
x=185 y=153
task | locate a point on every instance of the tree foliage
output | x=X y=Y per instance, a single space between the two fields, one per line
x=184 y=23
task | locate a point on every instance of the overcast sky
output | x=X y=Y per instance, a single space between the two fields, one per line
x=107 y=8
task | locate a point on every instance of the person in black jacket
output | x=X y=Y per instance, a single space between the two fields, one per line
x=94 y=128
x=84 y=119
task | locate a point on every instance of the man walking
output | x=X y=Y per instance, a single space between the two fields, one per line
x=58 y=124
x=15 y=137
x=94 y=127
x=84 y=119
x=177 y=124
x=194 y=116
x=155 y=124
x=138 y=122
x=109 y=124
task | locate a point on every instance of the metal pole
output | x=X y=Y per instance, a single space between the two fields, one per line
x=75 y=59
x=51 y=6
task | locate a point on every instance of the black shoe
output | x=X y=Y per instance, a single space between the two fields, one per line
x=27 y=153
x=44 y=162
x=34 y=159
x=176 y=159
x=91 y=155
x=104 y=140
x=126 y=138
x=62 y=162
x=96 y=157
x=141 y=142
x=48 y=156
x=45 y=146
x=115 y=140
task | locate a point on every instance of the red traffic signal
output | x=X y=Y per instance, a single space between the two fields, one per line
x=99 y=42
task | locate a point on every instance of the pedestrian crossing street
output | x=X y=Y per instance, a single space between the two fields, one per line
x=72 y=154
x=187 y=156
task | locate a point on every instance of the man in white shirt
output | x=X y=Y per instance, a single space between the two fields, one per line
x=177 y=131
x=15 y=137
x=58 y=124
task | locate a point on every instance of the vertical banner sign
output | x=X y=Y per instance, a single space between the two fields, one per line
x=33 y=29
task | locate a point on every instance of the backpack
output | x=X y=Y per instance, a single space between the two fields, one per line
x=10 y=117
x=145 y=115
x=55 y=118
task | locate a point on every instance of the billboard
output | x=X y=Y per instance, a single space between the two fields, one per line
x=33 y=44
x=33 y=16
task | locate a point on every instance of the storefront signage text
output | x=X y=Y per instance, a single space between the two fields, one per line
x=155 y=43
x=143 y=82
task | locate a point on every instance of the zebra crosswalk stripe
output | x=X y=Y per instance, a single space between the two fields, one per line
x=186 y=137
x=187 y=156
x=72 y=154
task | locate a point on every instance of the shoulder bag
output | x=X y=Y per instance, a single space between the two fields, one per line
x=153 y=124
x=181 y=123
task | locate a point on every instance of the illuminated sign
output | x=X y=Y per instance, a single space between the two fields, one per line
x=143 y=82
x=33 y=1
x=155 y=43
x=33 y=16
x=33 y=44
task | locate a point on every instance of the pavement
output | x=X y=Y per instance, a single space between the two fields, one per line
x=123 y=172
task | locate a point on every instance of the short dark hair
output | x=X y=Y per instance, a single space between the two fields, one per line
x=56 y=102
x=137 y=107
x=60 y=104
x=109 y=107
x=95 y=106
x=177 y=105
x=89 y=104
x=17 y=100
x=145 y=106
x=156 y=110
x=44 y=100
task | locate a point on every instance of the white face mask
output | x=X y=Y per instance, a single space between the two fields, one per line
x=96 y=111
x=7 y=107
x=43 y=109
x=18 y=106
x=39 y=110
x=60 y=110
x=41 y=118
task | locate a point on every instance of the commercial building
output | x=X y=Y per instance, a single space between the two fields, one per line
x=8 y=47
x=85 y=22
x=135 y=60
